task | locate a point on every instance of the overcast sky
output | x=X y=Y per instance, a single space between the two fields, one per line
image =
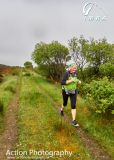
x=23 y=23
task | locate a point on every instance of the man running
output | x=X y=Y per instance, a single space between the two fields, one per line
x=69 y=89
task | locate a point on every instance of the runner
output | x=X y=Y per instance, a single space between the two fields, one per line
x=69 y=89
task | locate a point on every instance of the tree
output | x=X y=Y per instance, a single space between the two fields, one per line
x=79 y=50
x=91 y=54
x=100 y=52
x=51 y=58
x=28 y=64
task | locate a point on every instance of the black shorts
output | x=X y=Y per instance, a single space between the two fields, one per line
x=73 y=98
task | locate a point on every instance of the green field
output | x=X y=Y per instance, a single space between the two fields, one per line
x=40 y=126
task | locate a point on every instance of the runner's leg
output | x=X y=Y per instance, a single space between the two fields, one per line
x=65 y=100
x=73 y=98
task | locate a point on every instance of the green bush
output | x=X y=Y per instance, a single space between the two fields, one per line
x=1 y=106
x=28 y=64
x=15 y=71
x=27 y=74
x=87 y=75
x=100 y=95
x=107 y=69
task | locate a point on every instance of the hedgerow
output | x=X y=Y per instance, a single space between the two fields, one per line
x=100 y=95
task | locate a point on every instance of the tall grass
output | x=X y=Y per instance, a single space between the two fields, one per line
x=7 y=89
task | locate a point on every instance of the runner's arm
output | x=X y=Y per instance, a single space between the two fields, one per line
x=65 y=80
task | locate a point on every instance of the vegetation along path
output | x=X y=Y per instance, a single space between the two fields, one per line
x=8 y=138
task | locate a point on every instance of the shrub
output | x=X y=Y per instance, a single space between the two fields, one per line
x=15 y=71
x=27 y=74
x=87 y=75
x=107 y=69
x=100 y=94
x=28 y=65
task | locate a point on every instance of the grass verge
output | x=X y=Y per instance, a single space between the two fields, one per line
x=7 y=89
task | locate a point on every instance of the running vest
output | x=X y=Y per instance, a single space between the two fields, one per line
x=72 y=86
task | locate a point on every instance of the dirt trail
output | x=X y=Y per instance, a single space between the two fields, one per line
x=9 y=136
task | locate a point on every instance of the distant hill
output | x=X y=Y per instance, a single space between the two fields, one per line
x=4 y=69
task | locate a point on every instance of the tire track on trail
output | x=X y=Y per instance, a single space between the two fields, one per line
x=91 y=144
x=8 y=138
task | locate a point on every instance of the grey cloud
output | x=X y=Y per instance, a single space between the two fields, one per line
x=23 y=23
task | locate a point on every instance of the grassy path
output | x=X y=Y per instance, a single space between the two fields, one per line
x=41 y=132
x=40 y=127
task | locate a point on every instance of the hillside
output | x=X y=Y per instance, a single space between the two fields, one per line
x=4 y=69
